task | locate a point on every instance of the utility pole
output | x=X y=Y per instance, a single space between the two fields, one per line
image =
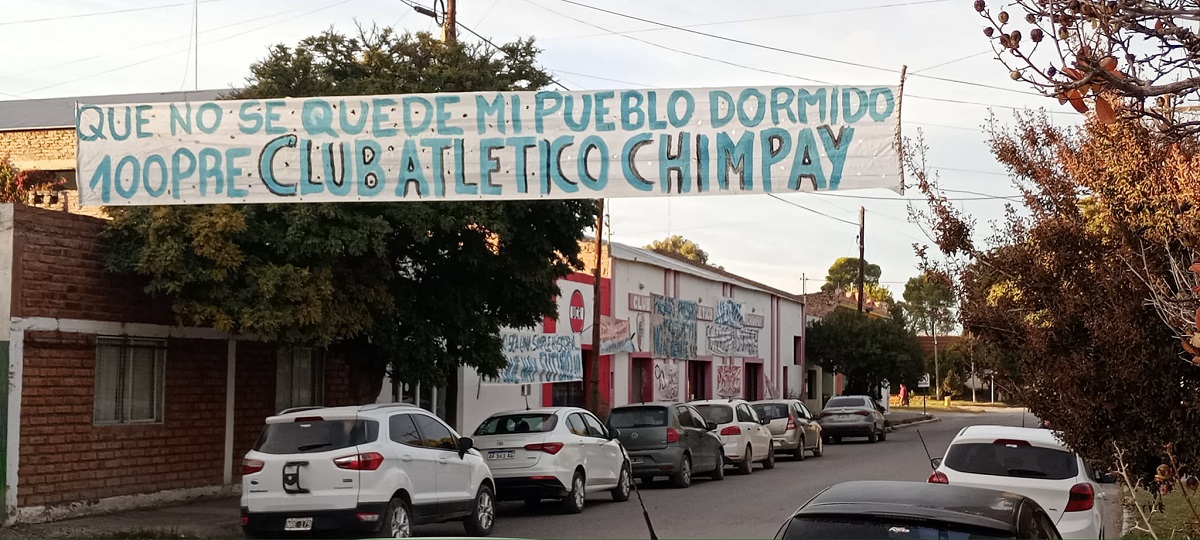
x=862 y=262
x=937 y=379
x=594 y=372
x=450 y=23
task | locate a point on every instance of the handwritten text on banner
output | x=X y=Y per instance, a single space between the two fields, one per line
x=534 y=357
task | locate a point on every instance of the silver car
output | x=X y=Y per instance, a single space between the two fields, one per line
x=794 y=430
x=853 y=416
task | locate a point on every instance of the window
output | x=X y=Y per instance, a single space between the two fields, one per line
x=576 y=425
x=129 y=380
x=299 y=378
x=637 y=417
x=594 y=429
x=685 y=417
x=846 y=402
x=518 y=423
x=1016 y=460
x=316 y=436
x=771 y=410
x=434 y=434
x=744 y=414
x=804 y=413
x=698 y=419
x=717 y=414
x=403 y=430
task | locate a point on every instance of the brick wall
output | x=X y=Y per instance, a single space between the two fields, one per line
x=65 y=458
x=28 y=147
x=254 y=396
x=58 y=271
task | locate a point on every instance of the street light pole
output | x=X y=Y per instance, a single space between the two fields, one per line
x=936 y=371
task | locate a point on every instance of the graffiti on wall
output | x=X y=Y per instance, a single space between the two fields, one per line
x=673 y=328
x=728 y=335
x=615 y=336
x=728 y=313
x=534 y=357
x=729 y=381
x=666 y=380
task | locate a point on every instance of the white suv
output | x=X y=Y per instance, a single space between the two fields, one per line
x=375 y=468
x=746 y=437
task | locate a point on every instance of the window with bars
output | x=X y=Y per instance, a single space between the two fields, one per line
x=129 y=380
x=299 y=378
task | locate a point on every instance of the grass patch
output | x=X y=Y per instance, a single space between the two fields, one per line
x=1174 y=521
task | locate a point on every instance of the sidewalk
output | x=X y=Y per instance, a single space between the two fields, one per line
x=898 y=418
x=216 y=518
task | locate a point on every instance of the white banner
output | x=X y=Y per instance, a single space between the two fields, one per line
x=534 y=357
x=490 y=146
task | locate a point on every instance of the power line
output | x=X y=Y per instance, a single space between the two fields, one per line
x=99 y=13
x=956 y=60
x=818 y=212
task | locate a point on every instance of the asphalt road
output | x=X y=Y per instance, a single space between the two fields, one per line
x=753 y=506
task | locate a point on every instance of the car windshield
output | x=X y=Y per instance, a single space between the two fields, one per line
x=517 y=423
x=859 y=527
x=303 y=437
x=845 y=402
x=637 y=417
x=771 y=411
x=1020 y=460
x=717 y=414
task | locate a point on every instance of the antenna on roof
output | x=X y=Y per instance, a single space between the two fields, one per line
x=927 y=454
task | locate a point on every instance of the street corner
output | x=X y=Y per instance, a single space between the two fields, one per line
x=897 y=420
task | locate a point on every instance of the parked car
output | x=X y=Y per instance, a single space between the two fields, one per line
x=369 y=469
x=913 y=510
x=1033 y=463
x=794 y=430
x=853 y=416
x=553 y=453
x=746 y=438
x=669 y=439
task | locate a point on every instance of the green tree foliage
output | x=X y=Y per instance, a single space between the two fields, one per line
x=843 y=274
x=867 y=350
x=679 y=245
x=929 y=303
x=418 y=287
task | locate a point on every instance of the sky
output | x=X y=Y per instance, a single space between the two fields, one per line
x=68 y=48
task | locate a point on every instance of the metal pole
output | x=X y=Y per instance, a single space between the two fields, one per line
x=937 y=374
x=594 y=397
x=862 y=263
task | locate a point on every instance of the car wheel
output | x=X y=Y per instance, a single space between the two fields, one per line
x=483 y=516
x=820 y=449
x=683 y=478
x=573 y=503
x=883 y=435
x=719 y=472
x=769 y=463
x=872 y=437
x=397 y=520
x=624 y=485
x=798 y=455
x=747 y=464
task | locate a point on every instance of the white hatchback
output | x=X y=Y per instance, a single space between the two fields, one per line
x=553 y=453
x=1030 y=462
x=377 y=469
x=746 y=437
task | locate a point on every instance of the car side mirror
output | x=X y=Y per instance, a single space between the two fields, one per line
x=764 y=421
x=711 y=426
x=613 y=433
x=936 y=462
x=465 y=444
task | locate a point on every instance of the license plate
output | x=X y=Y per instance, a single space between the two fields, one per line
x=298 y=524
x=635 y=460
x=501 y=454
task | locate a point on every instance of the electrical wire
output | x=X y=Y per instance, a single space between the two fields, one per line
x=100 y=13
x=956 y=60
x=818 y=212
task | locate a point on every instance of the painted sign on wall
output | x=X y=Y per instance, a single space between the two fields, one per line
x=615 y=336
x=729 y=381
x=729 y=335
x=673 y=328
x=575 y=311
x=489 y=146
x=666 y=380
x=534 y=357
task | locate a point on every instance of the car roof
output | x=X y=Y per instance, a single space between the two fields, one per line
x=343 y=413
x=774 y=401
x=1035 y=436
x=958 y=504
x=650 y=404
x=733 y=401
x=537 y=410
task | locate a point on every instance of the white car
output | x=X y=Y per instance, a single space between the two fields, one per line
x=553 y=453
x=746 y=437
x=1030 y=462
x=378 y=469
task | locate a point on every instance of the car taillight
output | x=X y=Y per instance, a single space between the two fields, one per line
x=251 y=466
x=731 y=430
x=825 y=413
x=360 y=462
x=549 y=448
x=938 y=478
x=1082 y=498
x=791 y=424
x=672 y=435
x=862 y=413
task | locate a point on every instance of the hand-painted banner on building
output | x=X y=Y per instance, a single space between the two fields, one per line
x=490 y=146
x=673 y=328
x=615 y=336
x=534 y=357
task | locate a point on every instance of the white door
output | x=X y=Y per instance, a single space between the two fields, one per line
x=453 y=472
x=760 y=435
x=418 y=461
x=604 y=457
x=579 y=444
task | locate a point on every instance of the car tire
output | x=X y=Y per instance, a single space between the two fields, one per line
x=798 y=455
x=624 y=485
x=719 y=472
x=397 y=520
x=683 y=478
x=883 y=435
x=574 y=501
x=820 y=449
x=873 y=437
x=769 y=463
x=747 y=464
x=533 y=502
x=483 y=515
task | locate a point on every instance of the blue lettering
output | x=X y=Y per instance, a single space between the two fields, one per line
x=136 y=176
x=555 y=158
x=438 y=145
x=96 y=130
x=889 y=104
x=652 y=111
x=585 y=112
x=702 y=171
x=760 y=108
x=602 y=111
x=215 y=112
x=520 y=162
x=368 y=169
x=410 y=170
x=251 y=120
x=179 y=173
x=103 y=178
x=678 y=162
x=335 y=176
x=541 y=110
x=461 y=186
x=407 y=104
x=836 y=149
x=344 y=113
x=317 y=117
x=210 y=167
x=720 y=108
x=155 y=159
x=266 y=165
x=784 y=105
x=676 y=118
x=142 y=121
x=112 y=129
x=631 y=107
x=379 y=116
x=232 y=171
x=178 y=120
x=738 y=157
x=851 y=116
x=804 y=100
x=807 y=162
x=272 y=116
x=483 y=110
x=776 y=144
x=488 y=164
x=443 y=115
x=629 y=162
x=590 y=144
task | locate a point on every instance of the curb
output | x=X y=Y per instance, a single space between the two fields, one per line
x=917 y=423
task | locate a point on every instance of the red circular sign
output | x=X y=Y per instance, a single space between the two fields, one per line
x=575 y=314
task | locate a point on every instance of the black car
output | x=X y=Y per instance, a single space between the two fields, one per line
x=918 y=511
x=668 y=439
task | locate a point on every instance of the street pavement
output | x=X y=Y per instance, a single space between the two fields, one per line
x=753 y=506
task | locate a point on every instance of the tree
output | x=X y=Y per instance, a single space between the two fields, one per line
x=414 y=288
x=1134 y=59
x=679 y=245
x=1065 y=288
x=929 y=303
x=16 y=184
x=843 y=275
x=867 y=350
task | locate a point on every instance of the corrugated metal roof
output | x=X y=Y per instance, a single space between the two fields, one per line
x=58 y=113
x=646 y=256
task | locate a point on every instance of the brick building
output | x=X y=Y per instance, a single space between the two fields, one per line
x=108 y=404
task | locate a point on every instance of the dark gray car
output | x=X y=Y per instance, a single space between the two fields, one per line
x=668 y=439
x=853 y=416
